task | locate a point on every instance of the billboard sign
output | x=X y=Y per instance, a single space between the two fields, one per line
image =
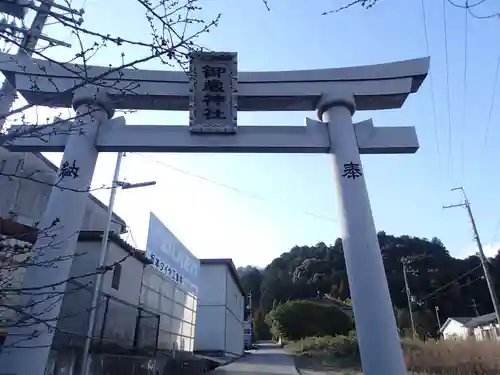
x=171 y=257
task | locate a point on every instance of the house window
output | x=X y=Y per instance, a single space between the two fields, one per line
x=117 y=272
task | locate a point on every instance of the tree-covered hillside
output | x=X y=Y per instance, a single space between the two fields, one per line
x=436 y=279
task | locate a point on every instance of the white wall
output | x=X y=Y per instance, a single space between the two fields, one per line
x=234 y=299
x=210 y=320
x=131 y=275
x=235 y=340
x=176 y=307
x=86 y=261
x=219 y=324
x=212 y=288
x=234 y=316
x=24 y=201
x=455 y=330
x=210 y=328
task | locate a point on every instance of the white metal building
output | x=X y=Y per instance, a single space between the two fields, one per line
x=220 y=313
x=140 y=312
x=176 y=307
x=24 y=200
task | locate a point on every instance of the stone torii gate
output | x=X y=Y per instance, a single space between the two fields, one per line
x=334 y=93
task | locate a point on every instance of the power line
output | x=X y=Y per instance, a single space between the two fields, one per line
x=488 y=16
x=464 y=104
x=468 y=7
x=493 y=15
x=492 y=101
x=130 y=235
x=459 y=287
x=451 y=283
x=448 y=93
x=232 y=188
x=431 y=82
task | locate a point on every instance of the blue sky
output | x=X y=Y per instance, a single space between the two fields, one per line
x=252 y=208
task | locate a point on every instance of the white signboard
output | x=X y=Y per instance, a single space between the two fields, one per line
x=213 y=88
x=171 y=257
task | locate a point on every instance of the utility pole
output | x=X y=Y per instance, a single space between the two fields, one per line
x=31 y=37
x=474 y=305
x=96 y=292
x=437 y=317
x=404 y=261
x=482 y=257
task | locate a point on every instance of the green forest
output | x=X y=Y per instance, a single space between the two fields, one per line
x=317 y=275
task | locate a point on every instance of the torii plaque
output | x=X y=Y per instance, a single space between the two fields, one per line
x=334 y=93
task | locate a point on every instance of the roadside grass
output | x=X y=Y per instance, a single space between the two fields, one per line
x=336 y=355
x=330 y=355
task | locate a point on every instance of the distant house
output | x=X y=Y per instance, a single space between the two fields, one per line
x=484 y=327
x=456 y=329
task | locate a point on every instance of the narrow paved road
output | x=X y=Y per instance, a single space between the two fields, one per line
x=268 y=359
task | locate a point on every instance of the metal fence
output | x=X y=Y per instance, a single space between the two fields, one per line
x=162 y=364
x=118 y=325
x=105 y=364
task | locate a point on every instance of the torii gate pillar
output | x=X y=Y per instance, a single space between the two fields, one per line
x=27 y=347
x=376 y=328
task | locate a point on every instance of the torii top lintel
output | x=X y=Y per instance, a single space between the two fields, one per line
x=380 y=86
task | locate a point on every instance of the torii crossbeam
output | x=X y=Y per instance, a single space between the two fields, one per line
x=334 y=93
x=115 y=136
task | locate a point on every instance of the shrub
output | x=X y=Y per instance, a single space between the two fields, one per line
x=298 y=319
x=341 y=346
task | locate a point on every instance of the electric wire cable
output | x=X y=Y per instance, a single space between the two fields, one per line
x=448 y=93
x=431 y=82
x=450 y=283
x=232 y=188
x=468 y=7
x=464 y=104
